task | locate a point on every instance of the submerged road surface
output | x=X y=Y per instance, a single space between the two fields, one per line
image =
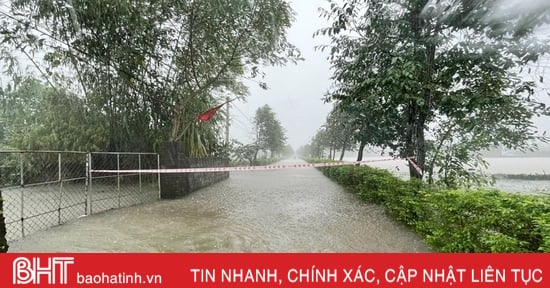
x=292 y=210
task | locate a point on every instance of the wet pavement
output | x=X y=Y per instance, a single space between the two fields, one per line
x=290 y=210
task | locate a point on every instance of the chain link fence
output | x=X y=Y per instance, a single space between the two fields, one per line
x=116 y=189
x=42 y=189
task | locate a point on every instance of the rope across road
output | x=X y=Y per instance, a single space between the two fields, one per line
x=241 y=168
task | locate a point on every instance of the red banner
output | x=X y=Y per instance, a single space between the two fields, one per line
x=274 y=270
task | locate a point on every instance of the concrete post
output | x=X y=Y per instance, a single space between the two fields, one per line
x=173 y=184
x=176 y=185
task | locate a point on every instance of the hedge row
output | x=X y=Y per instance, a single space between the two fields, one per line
x=454 y=220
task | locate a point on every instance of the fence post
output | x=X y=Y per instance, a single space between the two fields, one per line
x=59 y=178
x=118 y=177
x=139 y=173
x=88 y=204
x=158 y=174
x=22 y=172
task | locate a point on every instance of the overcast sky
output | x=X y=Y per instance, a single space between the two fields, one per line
x=295 y=91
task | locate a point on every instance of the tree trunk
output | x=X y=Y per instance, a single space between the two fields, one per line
x=256 y=157
x=176 y=122
x=420 y=148
x=360 y=152
x=415 y=142
x=344 y=147
x=3 y=241
x=422 y=113
x=411 y=136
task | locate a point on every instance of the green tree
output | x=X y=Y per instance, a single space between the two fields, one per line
x=288 y=151
x=319 y=144
x=35 y=117
x=244 y=152
x=150 y=66
x=448 y=66
x=270 y=135
x=304 y=151
x=343 y=130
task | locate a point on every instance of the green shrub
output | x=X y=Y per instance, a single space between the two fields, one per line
x=543 y=225
x=404 y=201
x=454 y=220
x=483 y=221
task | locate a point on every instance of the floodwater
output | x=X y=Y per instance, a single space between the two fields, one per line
x=497 y=165
x=289 y=210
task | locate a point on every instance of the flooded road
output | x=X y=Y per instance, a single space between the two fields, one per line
x=291 y=210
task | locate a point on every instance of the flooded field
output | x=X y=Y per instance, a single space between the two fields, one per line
x=497 y=165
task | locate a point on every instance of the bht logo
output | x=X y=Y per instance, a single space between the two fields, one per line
x=31 y=271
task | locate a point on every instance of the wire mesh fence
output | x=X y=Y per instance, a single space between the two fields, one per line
x=42 y=189
x=116 y=190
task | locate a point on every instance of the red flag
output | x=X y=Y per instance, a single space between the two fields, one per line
x=205 y=116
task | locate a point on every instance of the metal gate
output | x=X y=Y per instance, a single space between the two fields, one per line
x=42 y=189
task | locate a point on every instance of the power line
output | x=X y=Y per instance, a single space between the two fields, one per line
x=243 y=126
x=244 y=115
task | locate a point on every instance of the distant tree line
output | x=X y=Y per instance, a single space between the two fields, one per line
x=269 y=139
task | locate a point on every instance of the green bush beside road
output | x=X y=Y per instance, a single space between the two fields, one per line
x=481 y=220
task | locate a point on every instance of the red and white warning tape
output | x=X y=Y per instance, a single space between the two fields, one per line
x=241 y=168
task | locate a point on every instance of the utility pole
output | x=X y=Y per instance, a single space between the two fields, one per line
x=227 y=121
